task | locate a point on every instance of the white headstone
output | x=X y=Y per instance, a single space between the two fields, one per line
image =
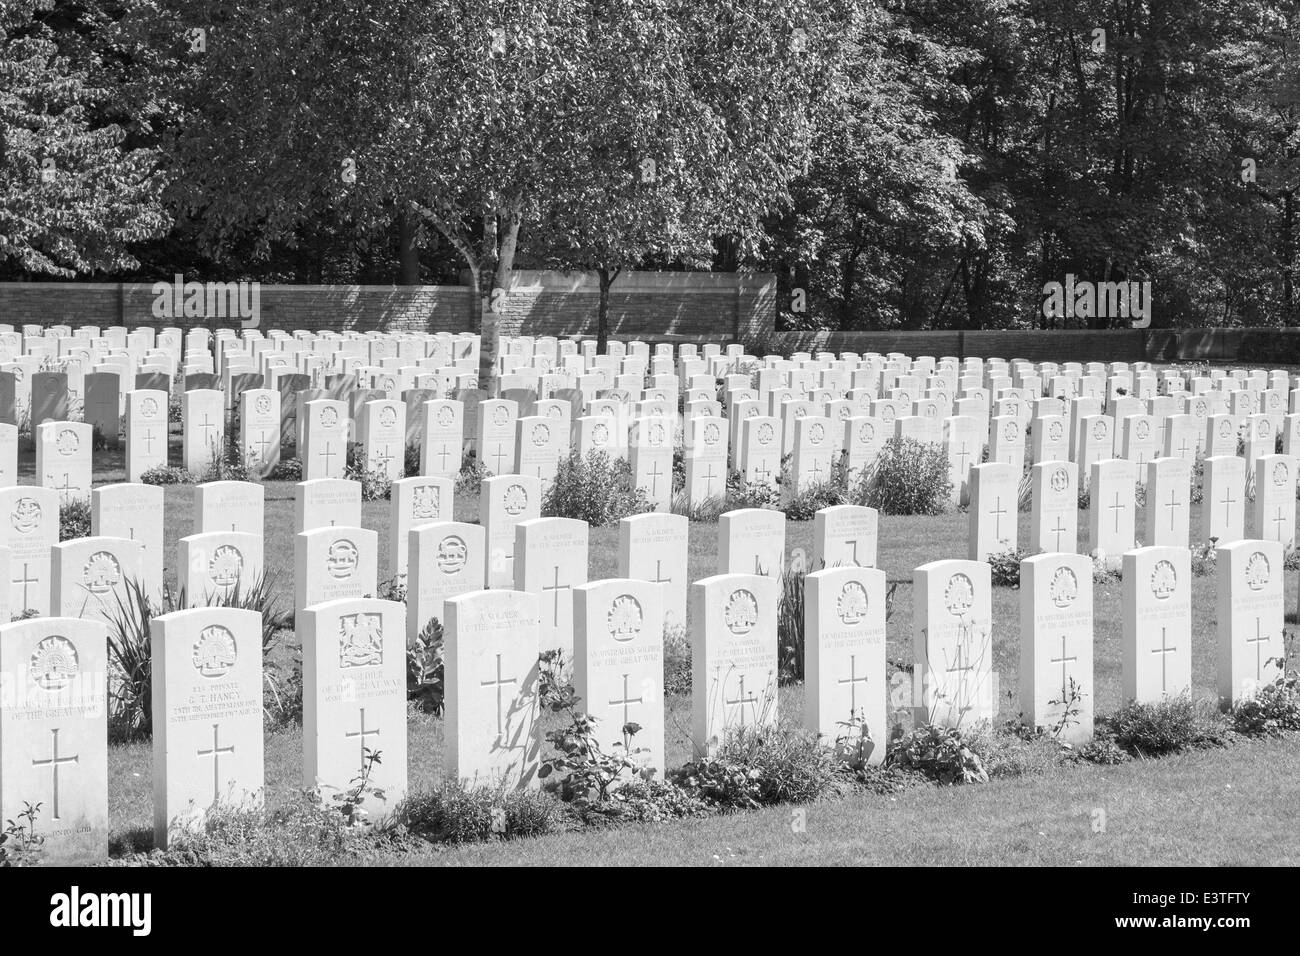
x=354 y=699
x=491 y=735
x=733 y=656
x=952 y=643
x=752 y=541
x=1056 y=619
x=54 y=734
x=844 y=657
x=1249 y=588
x=332 y=564
x=653 y=547
x=1157 y=623
x=207 y=714
x=619 y=665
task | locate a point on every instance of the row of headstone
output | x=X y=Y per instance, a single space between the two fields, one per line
x=207 y=676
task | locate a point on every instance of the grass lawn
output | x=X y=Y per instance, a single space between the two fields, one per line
x=1226 y=806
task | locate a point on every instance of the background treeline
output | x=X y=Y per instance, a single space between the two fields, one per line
x=912 y=164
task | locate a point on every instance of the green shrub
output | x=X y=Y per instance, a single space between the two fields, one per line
x=411 y=459
x=1170 y=726
x=130 y=663
x=1205 y=558
x=812 y=499
x=20 y=844
x=943 y=754
x=594 y=488
x=761 y=766
x=1016 y=751
x=907 y=478
x=742 y=494
x=424 y=671
x=454 y=814
x=1275 y=709
x=677 y=660
x=74 y=519
x=651 y=801
x=166 y=475
x=1103 y=749
x=790 y=626
x=471 y=475
x=1004 y=567
x=286 y=469
x=707 y=511
x=231 y=466
x=375 y=485
x=301 y=831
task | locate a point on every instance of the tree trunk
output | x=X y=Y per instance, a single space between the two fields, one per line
x=407 y=251
x=1288 y=257
x=607 y=277
x=500 y=241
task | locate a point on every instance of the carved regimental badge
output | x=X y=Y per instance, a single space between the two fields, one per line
x=851 y=605
x=624 y=618
x=341 y=559
x=426 y=502
x=214 y=652
x=1064 y=587
x=1258 y=571
x=361 y=640
x=26 y=515
x=959 y=595
x=515 y=500
x=102 y=573
x=452 y=554
x=741 y=613
x=1164 y=580
x=53 y=664
x=226 y=566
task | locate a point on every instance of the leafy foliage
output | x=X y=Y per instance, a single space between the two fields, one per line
x=20 y=843
x=74 y=519
x=1166 y=727
x=944 y=754
x=166 y=475
x=761 y=766
x=594 y=488
x=907 y=478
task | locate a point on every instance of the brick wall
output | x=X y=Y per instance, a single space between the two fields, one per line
x=712 y=307
x=699 y=305
x=652 y=306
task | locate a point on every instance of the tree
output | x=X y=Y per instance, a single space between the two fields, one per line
x=692 y=120
x=72 y=196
